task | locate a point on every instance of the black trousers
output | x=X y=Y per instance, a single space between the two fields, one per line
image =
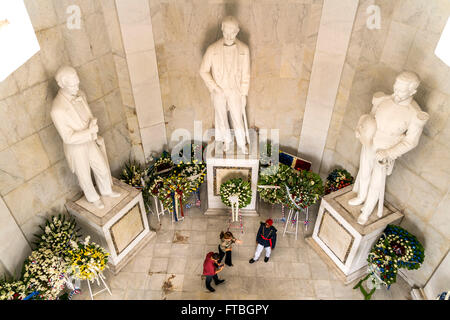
x=209 y=279
x=227 y=255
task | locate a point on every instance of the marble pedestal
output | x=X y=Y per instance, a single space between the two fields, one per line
x=121 y=227
x=221 y=166
x=340 y=240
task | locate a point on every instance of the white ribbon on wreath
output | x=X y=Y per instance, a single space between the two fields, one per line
x=234 y=200
x=375 y=280
x=193 y=178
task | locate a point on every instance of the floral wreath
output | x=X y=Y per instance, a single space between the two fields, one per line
x=274 y=176
x=174 y=185
x=237 y=187
x=88 y=260
x=133 y=174
x=305 y=189
x=395 y=249
x=163 y=164
x=338 y=179
x=194 y=171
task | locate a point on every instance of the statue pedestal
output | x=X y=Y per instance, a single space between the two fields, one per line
x=121 y=227
x=340 y=240
x=223 y=166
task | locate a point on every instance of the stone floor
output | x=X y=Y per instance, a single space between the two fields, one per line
x=170 y=266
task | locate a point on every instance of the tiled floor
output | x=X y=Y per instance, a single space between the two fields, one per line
x=170 y=266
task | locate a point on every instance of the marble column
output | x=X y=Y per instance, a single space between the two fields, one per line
x=335 y=29
x=137 y=33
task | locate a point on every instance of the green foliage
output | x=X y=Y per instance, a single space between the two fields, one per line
x=305 y=187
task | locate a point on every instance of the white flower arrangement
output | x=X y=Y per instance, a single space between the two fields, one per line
x=237 y=187
x=45 y=273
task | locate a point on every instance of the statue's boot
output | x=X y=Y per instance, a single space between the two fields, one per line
x=363 y=217
x=355 y=201
x=98 y=204
x=244 y=150
x=112 y=194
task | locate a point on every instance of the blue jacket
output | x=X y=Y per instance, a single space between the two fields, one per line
x=268 y=233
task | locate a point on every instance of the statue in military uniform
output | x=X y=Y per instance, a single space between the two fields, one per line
x=392 y=128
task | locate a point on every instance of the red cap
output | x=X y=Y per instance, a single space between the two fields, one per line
x=269 y=222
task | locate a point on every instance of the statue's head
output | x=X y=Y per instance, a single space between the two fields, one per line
x=230 y=29
x=68 y=80
x=405 y=86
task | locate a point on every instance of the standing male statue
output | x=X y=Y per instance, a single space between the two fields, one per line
x=226 y=71
x=83 y=147
x=392 y=128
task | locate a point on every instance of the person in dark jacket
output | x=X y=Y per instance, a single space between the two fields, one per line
x=210 y=270
x=266 y=238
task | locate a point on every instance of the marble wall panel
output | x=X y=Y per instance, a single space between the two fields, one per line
x=11 y=237
x=52 y=144
x=42 y=13
x=31 y=73
x=37 y=101
x=16 y=123
x=31 y=165
x=439 y=220
x=90 y=80
x=11 y=175
x=53 y=51
x=8 y=87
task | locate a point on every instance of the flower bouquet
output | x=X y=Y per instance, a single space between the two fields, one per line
x=15 y=290
x=242 y=189
x=174 y=194
x=270 y=183
x=45 y=273
x=87 y=260
x=395 y=249
x=57 y=234
x=338 y=179
x=305 y=188
x=134 y=174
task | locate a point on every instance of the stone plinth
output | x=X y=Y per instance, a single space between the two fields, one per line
x=121 y=227
x=223 y=166
x=341 y=240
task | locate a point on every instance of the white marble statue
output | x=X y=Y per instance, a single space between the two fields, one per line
x=392 y=128
x=225 y=69
x=83 y=147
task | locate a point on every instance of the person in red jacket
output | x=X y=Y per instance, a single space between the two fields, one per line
x=211 y=268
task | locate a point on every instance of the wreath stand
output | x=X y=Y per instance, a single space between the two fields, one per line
x=160 y=210
x=106 y=288
x=293 y=216
x=236 y=215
